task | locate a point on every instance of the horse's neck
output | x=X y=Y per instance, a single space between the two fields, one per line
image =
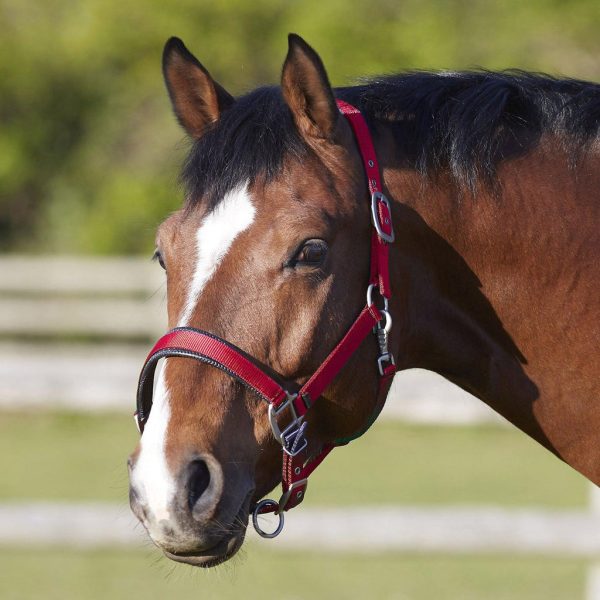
x=482 y=283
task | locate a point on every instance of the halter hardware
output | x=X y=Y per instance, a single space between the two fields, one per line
x=381 y=213
x=382 y=333
x=267 y=506
x=297 y=464
x=291 y=437
x=298 y=487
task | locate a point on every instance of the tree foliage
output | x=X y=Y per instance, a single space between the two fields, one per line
x=89 y=150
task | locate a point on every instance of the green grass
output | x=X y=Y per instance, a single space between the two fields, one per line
x=269 y=573
x=397 y=463
x=63 y=456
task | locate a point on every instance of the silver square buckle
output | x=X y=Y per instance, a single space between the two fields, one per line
x=377 y=197
x=291 y=437
x=383 y=359
x=286 y=496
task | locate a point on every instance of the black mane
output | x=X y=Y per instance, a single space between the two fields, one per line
x=250 y=139
x=463 y=123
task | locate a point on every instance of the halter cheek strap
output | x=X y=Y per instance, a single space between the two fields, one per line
x=287 y=409
x=381 y=213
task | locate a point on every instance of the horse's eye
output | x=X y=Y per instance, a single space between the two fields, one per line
x=159 y=257
x=312 y=253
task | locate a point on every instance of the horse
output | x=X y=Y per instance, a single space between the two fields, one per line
x=492 y=185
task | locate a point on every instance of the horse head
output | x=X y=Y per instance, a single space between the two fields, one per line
x=271 y=252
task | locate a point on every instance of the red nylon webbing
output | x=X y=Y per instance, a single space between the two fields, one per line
x=379 y=247
x=205 y=347
x=365 y=144
x=295 y=469
x=230 y=357
x=339 y=356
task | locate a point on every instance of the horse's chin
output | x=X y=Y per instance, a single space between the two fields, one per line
x=222 y=550
x=211 y=557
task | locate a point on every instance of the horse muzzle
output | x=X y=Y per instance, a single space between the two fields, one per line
x=190 y=517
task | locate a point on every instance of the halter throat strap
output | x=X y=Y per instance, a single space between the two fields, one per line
x=288 y=405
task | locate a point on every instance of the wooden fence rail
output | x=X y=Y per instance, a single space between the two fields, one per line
x=85 y=298
x=47 y=300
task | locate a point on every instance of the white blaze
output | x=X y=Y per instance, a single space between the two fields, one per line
x=214 y=237
x=151 y=477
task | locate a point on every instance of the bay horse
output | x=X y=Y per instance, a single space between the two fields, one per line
x=494 y=200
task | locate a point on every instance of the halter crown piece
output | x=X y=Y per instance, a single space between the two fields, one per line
x=287 y=410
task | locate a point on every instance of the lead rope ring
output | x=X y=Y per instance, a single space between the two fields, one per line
x=258 y=511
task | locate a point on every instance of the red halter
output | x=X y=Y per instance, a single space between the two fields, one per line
x=286 y=406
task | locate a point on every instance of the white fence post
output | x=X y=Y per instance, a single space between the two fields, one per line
x=593 y=574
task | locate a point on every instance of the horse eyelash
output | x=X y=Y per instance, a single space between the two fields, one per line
x=157 y=257
x=291 y=261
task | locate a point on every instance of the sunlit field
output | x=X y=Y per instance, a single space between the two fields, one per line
x=263 y=574
x=75 y=457
x=71 y=456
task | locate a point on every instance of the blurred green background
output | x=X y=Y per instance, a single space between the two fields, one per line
x=89 y=160
x=89 y=151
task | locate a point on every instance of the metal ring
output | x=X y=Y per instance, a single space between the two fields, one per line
x=256 y=513
x=388 y=320
x=370 y=296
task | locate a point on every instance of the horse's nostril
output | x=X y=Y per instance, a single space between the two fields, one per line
x=198 y=482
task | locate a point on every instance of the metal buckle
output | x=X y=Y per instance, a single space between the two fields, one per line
x=385 y=358
x=382 y=331
x=290 y=437
x=285 y=497
x=370 y=289
x=380 y=197
x=387 y=326
x=294 y=440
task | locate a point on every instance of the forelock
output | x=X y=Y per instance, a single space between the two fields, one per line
x=250 y=140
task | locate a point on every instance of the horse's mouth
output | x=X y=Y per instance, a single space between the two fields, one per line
x=211 y=557
x=224 y=549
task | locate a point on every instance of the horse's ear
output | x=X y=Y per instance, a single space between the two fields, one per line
x=198 y=100
x=306 y=90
